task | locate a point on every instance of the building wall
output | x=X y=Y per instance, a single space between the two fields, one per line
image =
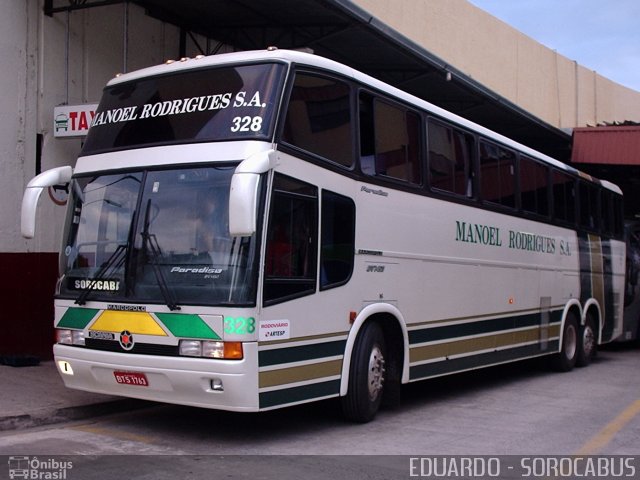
x=50 y=61
x=538 y=79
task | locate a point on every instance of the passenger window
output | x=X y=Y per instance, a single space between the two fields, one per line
x=564 y=203
x=534 y=187
x=450 y=165
x=590 y=216
x=291 y=253
x=389 y=140
x=497 y=174
x=319 y=118
x=608 y=214
x=337 y=240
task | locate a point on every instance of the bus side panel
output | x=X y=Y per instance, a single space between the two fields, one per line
x=476 y=287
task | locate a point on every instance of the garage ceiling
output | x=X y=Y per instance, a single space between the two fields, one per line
x=342 y=31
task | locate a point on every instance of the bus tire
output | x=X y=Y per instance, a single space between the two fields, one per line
x=587 y=343
x=566 y=358
x=366 y=375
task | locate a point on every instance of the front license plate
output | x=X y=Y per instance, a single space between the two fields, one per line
x=131 y=378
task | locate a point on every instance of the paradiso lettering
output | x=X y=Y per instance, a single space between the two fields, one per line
x=493 y=236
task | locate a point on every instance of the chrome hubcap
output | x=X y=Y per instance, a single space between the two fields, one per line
x=375 y=377
x=588 y=340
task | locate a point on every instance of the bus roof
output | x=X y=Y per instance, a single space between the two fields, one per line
x=311 y=60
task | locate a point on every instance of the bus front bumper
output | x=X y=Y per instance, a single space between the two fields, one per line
x=207 y=383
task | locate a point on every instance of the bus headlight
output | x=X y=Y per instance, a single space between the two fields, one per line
x=77 y=336
x=191 y=348
x=64 y=337
x=213 y=349
x=209 y=349
x=70 y=337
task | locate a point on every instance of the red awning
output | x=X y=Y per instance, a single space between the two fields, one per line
x=615 y=145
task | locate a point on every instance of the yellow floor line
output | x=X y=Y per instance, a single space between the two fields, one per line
x=604 y=436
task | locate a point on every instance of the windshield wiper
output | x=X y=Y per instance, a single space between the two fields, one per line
x=152 y=248
x=113 y=263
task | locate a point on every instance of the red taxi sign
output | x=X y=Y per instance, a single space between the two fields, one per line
x=73 y=120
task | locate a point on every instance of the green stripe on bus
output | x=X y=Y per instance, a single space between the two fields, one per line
x=187 y=325
x=315 y=351
x=299 y=394
x=77 y=318
x=480 y=327
x=471 y=362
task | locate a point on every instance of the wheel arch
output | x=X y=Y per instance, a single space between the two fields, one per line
x=592 y=307
x=395 y=331
x=571 y=307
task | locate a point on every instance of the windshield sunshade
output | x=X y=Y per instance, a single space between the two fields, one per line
x=213 y=104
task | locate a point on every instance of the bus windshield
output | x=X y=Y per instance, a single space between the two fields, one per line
x=156 y=237
x=212 y=104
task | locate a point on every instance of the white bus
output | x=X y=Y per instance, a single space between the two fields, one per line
x=255 y=230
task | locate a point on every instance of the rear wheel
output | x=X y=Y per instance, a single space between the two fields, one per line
x=367 y=375
x=587 y=345
x=565 y=360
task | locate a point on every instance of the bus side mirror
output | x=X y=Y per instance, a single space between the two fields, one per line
x=243 y=196
x=49 y=178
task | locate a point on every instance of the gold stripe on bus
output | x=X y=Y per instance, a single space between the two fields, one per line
x=134 y=322
x=597 y=269
x=301 y=373
x=488 y=342
x=484 y=316
x=552 y=331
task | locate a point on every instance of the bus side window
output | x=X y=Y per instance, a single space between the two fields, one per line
x=337 y=244
x=450 y=166
x=534 y=186
x=497 y=174
x=367 y=135
x=564 y=196
x=291 y=250
x=390 y=139
x=609 y=222
x=590 y=216
x=319 y=118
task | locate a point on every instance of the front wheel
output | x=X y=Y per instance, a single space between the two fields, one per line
x=367 y=375
x=565 y=360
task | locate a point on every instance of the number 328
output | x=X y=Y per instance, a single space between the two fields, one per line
x=246 y=124
x=240 y=325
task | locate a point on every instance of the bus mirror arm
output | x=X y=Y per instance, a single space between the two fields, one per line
x=243 y=196
x=48 y=178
